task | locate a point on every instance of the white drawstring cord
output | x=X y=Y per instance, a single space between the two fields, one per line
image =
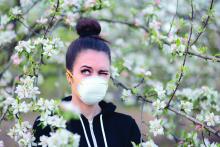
x=87 y=140
x=103 y=131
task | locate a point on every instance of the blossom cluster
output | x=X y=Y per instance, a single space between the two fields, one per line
x=22 y=133
x=60 y=138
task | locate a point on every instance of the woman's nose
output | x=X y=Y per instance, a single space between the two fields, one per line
x=95 y=74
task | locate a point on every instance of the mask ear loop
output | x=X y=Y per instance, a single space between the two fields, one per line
x=74 y=80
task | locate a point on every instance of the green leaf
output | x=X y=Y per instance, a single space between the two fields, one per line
x=178 y=42
x=134 y=90
x=203 y=49
x=217 y=55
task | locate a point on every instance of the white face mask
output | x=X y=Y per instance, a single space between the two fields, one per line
x=92 y=89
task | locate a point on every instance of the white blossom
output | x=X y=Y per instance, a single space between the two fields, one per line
x=160 y=91
x=60 y=138
x=42 y=21
x=21 y=133
x=49 y=50
x=155 y=25
x=20 y=107
x=149 y=143
x=4 y=19
x=40 y=41
x=159 y=105
x=114 y=72
x=126 y=93
x=211 y=119
x=46 y=106
x=24 y=46
x=68 y=3
x=70 y=18
x=127 y=97
x=141 y=70
x=186 y=106
x=208 y=144
x=16 y=11
x=8 y=99
x=6 y=78
x=26 y=89
x=7 y=37
x=50 y=47
x=156 y=127
x=127 y=63
x=89 y=3
x=57 y=43
x=54 y=120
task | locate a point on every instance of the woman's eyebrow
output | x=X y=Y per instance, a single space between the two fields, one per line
x=102 y=70
x=86 y=66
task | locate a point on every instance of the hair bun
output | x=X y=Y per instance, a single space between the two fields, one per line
x=87 y=27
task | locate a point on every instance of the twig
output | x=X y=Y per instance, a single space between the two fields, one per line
x=34 y=4
x=141 y=82
x=204 y=25
x=52 y=18
x=205 y=57
x=5 y=68
x=3 y=115
x=125 y=23
x=171 y=24
x=26 y=26
x=44 y=36
x=184 y=60
x=142 y=108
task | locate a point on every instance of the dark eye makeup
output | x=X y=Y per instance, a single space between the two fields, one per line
x=86 y=70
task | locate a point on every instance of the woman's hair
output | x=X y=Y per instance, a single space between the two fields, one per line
x=88 y=30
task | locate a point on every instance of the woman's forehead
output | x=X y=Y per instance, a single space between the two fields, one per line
x=93 y=59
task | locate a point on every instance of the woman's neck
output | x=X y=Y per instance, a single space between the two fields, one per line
x=89 y=111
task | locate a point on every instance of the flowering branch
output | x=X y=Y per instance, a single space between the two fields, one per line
x=180 y=113
x=204 y=24
x=211 y=58
x=132 y=24
x=171 y=24
x=184 y=60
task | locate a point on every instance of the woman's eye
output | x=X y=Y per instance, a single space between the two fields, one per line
x=104 y=73
x=85 y=71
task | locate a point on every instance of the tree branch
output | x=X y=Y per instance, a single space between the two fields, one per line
x=204 y=25
x=170 y=108
x=185 y=55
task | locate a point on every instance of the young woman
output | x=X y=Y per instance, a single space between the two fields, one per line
x=88 y=62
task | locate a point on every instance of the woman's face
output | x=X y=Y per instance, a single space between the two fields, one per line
x=89 y=63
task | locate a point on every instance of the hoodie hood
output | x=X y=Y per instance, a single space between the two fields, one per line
x=107 y=107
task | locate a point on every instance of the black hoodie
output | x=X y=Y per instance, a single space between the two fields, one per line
x=109 y=128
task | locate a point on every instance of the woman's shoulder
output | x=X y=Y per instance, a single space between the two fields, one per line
x=127 y=124
x=121 y=115
x=123 y=118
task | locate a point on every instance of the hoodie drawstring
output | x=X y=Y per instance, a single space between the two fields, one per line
x=103 y=131
x=87 y=140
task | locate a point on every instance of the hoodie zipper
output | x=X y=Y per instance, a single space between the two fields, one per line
x=92 y=133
